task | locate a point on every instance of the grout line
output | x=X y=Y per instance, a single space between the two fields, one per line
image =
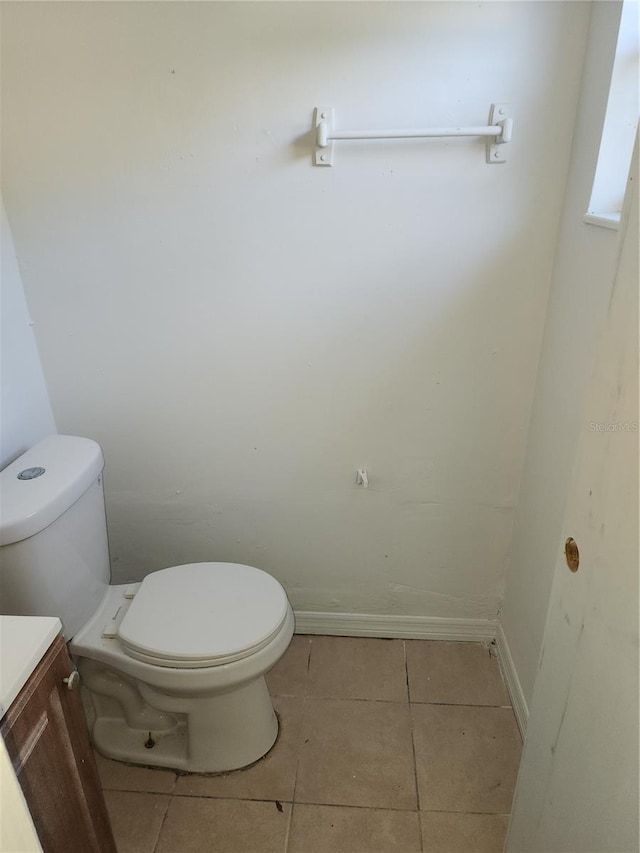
x=354 y=806
x=406 y=670
x=293 y=803
x=339 y=699
x=307 y=674
x=139 y=791
x=464 y=705
x=164 y=819
x=488 y=814
x=284 y=801
x=413 y=744
x=387 y=701
x=298 y=756
x=299 y=751
x=287 y=834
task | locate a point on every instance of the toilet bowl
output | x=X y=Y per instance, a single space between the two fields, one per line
x=173 y=666
x=177 y=677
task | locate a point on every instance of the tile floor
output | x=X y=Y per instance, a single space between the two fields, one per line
x=385 y=746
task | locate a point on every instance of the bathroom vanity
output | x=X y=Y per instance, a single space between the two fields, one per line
x=46 y=736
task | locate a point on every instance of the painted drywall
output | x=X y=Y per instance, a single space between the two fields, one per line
x=241 y=331
x=583 y=276
x=25 y=410
x=578 y=782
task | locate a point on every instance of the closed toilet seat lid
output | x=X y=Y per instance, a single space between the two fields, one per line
x=203 y=614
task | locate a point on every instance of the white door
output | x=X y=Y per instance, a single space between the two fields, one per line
x=578 y=784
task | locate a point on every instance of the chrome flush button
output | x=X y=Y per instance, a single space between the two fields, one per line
x=31 y=473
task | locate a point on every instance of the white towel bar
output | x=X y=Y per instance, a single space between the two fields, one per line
x=497 y=132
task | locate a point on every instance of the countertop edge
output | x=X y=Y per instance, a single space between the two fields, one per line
x=24 y=641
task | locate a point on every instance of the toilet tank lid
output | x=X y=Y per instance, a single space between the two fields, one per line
x=29 y=505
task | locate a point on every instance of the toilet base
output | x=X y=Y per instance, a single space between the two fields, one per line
x=210 y=734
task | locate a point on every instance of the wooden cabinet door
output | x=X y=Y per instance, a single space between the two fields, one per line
x=48 y=742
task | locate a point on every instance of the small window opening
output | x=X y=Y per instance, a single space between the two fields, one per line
x=620 y=125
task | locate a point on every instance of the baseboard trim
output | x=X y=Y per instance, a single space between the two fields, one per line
x=509 y=672
x=407 y=627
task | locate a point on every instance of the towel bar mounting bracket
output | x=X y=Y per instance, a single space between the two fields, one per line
x=323 y=122
x=499 y=114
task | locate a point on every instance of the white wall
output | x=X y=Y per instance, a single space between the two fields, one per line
x=25 y=410
x=241 y=331
x=578 y=783
x=581 y=287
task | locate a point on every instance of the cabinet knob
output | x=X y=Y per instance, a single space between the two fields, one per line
x=73 y=680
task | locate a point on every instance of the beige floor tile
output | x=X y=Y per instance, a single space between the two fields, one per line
x=116 y=776
x=356 y=754
x=223 y=826
x=289 y=676
x=444 y=832
x=455 y=673
x=338 y=829
x=357 y=668
x=136 y=819
x=271 y=778
x=467 y=758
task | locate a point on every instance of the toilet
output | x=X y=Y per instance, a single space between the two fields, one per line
x=173 y=666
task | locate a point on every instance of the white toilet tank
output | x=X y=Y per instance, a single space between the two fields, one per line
x=54 y=553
